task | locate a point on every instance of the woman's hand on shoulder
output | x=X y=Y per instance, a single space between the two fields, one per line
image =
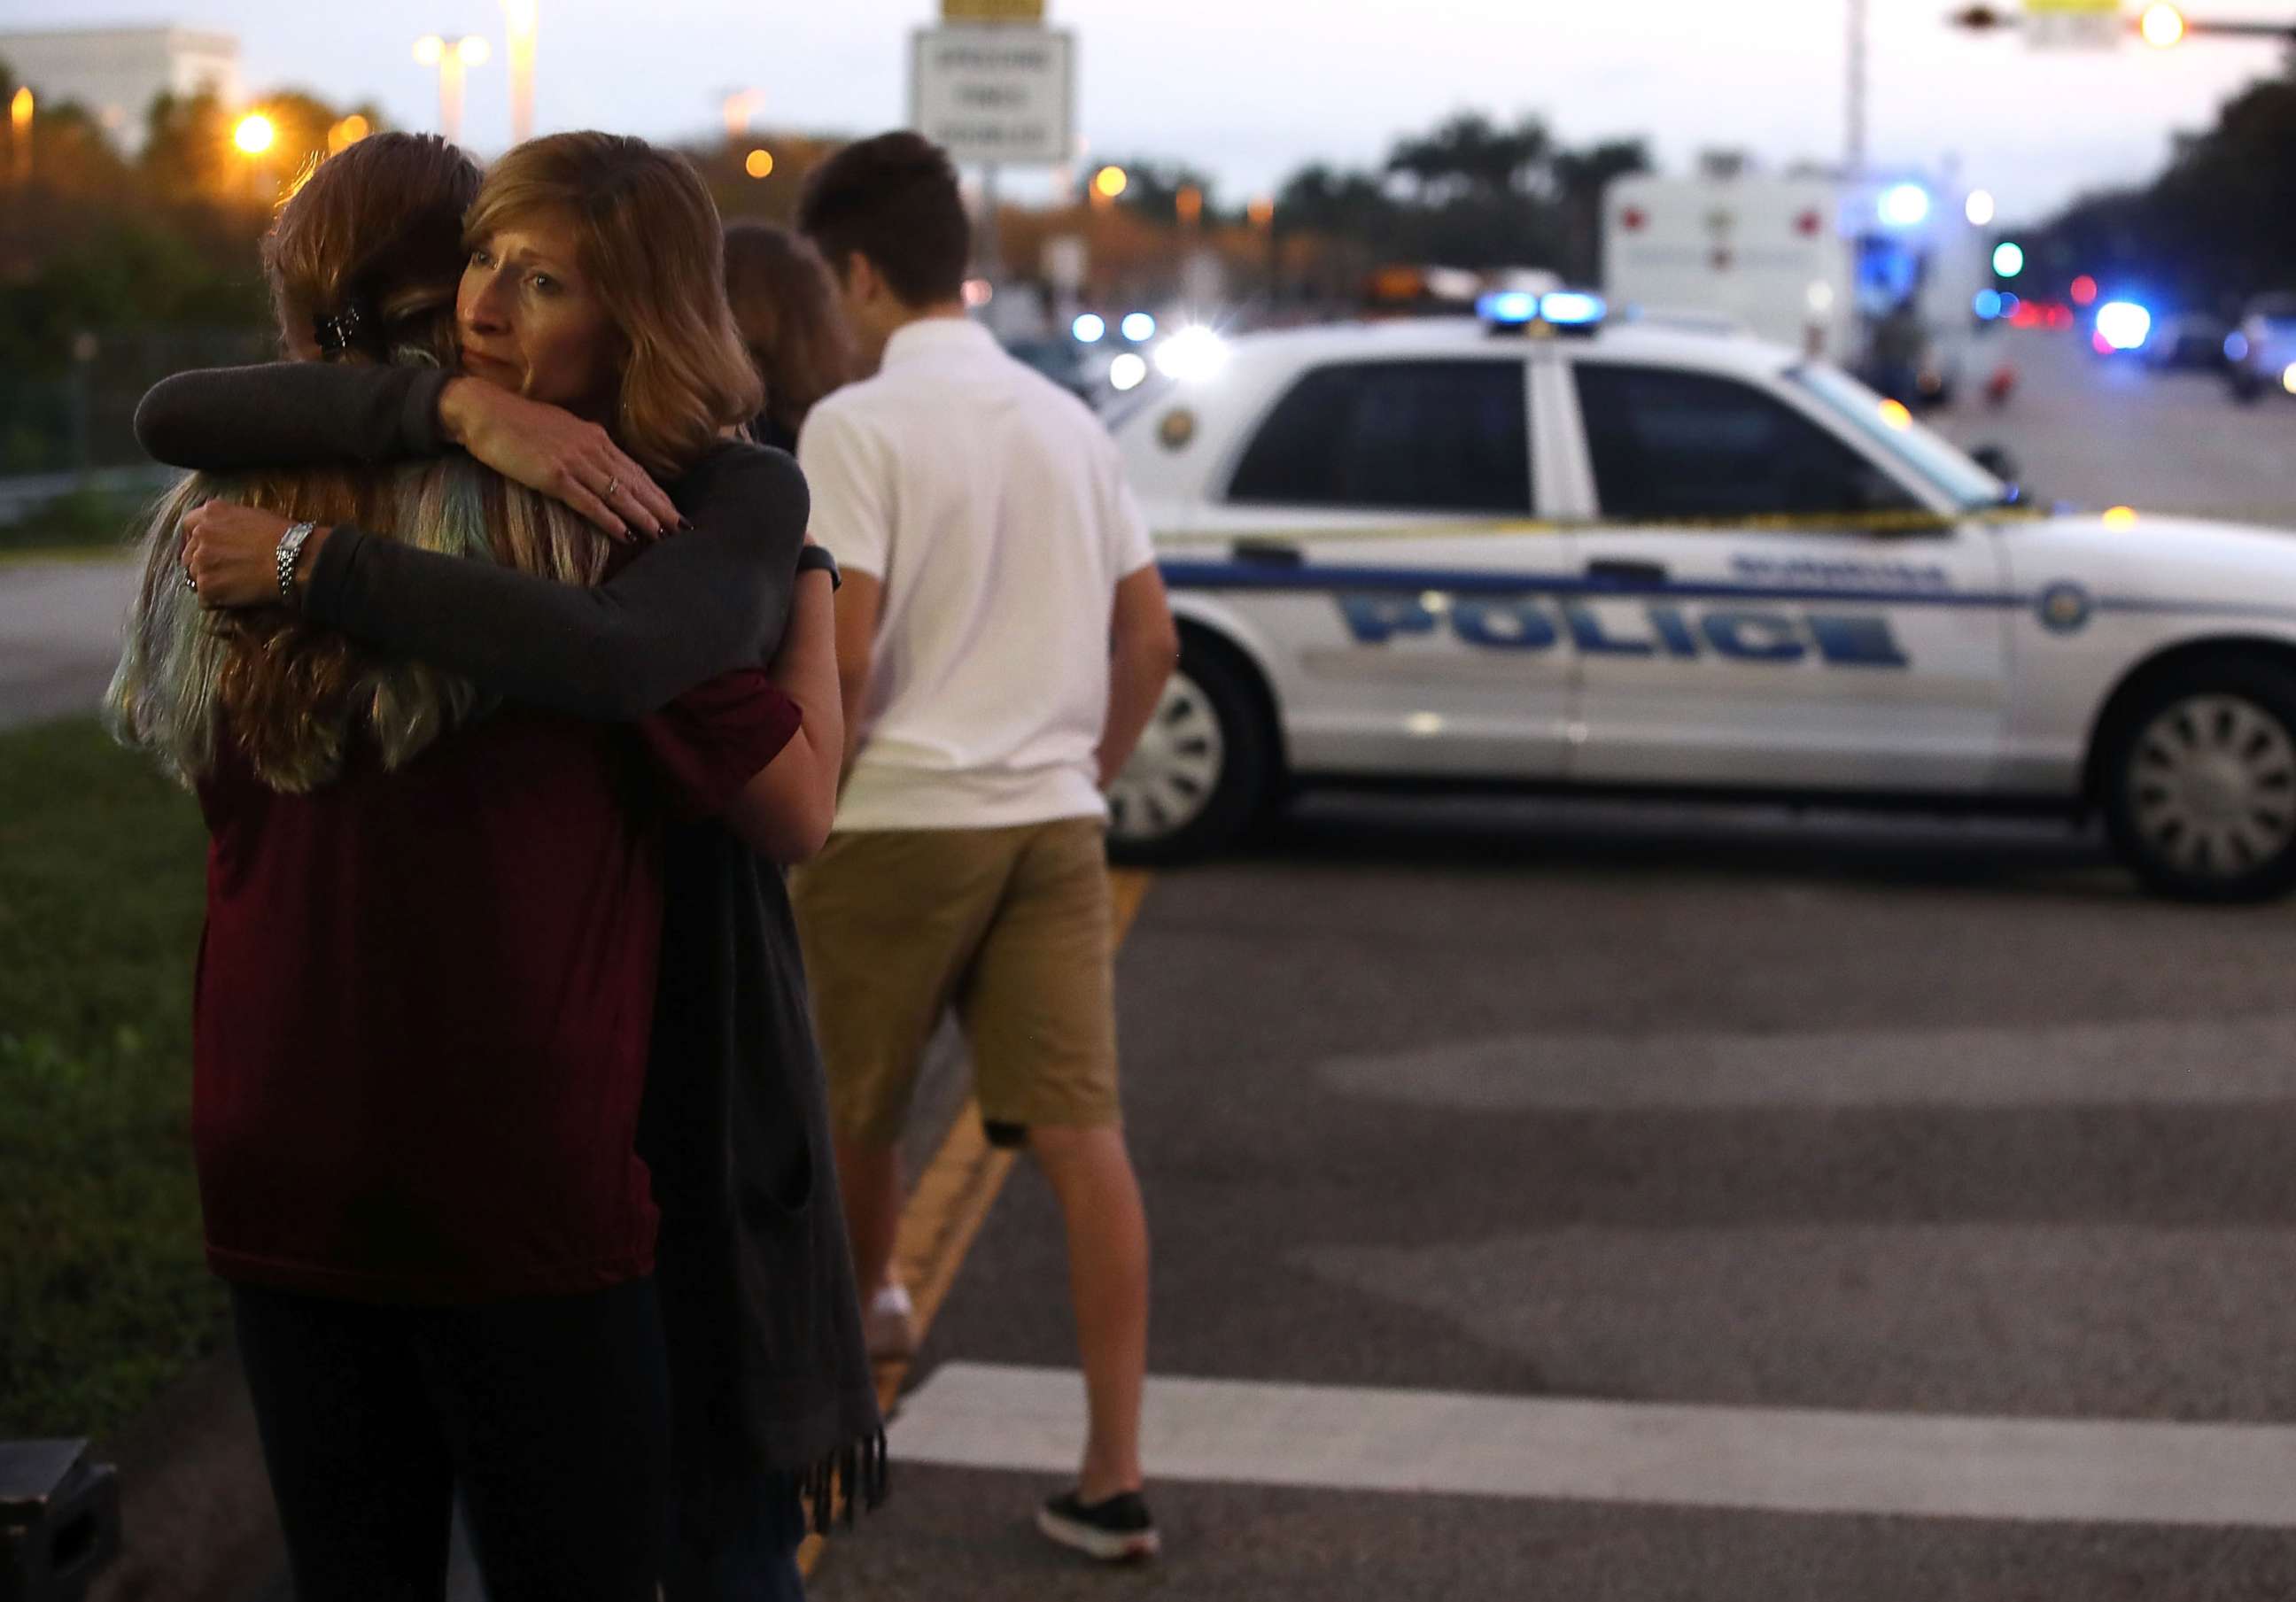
x=556 y=454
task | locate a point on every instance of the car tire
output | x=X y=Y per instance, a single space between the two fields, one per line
x=1207 y=765
x=2198 y=781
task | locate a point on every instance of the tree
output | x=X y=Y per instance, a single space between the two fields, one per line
x=1469 y=153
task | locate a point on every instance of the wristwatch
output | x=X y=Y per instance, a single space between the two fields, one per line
x=290 y=552
x=816 y=558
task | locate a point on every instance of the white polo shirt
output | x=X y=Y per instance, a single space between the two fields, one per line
x=992 y=504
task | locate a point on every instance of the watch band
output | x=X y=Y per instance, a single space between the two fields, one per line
x=291 y=551
x=813 y=558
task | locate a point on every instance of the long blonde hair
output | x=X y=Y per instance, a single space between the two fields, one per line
x=651 y=244
x=365 y=259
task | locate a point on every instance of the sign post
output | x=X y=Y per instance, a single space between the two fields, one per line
x=994 y=87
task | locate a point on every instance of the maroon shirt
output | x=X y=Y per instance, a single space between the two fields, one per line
x=423 y=999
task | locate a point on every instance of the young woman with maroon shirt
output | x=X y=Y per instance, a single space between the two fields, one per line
x=423 y=1008
x=771 y=1385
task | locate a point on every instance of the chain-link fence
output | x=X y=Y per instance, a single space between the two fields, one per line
x=83 y=418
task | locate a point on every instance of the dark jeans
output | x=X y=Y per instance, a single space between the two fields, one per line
x=552 y=1414
x=752 y=1560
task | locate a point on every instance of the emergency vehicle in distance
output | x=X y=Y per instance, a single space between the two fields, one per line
x=1546 y=550
x=1878 y=275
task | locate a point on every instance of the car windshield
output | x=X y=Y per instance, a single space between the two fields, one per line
x=1936 y=459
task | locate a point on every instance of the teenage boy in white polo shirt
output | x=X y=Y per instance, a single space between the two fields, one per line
x=1002 y=638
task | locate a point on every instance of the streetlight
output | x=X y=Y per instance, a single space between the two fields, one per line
x=741 y=109
x=20 y=133
x=1978 y=207
x=346 y=133
x=452 y=58
x=761 y=164
x=519 y=21
x=253 y=137
x=1109 y=181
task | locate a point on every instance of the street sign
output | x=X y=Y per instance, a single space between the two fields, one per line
x=993 y=11
x=2074 y=24
x=994 y=95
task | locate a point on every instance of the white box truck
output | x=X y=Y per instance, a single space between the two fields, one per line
x=1869 y=274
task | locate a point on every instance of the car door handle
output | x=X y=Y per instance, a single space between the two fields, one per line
x=1622 y=570
x=1272 y=553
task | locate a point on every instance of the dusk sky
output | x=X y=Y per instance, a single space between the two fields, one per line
x=1249 y=89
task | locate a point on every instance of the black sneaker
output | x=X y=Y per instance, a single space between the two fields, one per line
x=1116 y=1531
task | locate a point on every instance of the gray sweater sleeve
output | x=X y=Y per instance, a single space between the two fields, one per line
x=700 y=603
x=291 y=415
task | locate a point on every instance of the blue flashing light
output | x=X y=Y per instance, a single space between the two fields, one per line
x=2235 y=347
x=1511 y=307
x=1904 y=205
x=2008 y=259
x=1987 y=305
x=1138 y=327
x=2010 y=302
x=1571 y=308
x=2123 y=324
x=1089 y=328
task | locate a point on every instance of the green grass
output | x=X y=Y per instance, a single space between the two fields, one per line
x=105 y=1293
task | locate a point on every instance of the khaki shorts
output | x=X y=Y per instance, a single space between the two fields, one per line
x=1012 y=926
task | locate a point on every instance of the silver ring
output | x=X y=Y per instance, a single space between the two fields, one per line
x=191 y=584
x=612 y=485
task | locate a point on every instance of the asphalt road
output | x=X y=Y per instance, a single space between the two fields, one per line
x=1594 y=1201
x=59 y=635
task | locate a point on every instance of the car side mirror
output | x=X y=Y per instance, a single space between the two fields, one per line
x=1996 y=459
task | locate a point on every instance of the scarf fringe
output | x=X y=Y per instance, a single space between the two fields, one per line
x=853 y=1479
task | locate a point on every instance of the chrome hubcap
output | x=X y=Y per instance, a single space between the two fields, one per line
x=1174 y=770
x=2213 y=786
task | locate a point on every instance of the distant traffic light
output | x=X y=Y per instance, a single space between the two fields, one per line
x=2008 y=259
x=2162 y=26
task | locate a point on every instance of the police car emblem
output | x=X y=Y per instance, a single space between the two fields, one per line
x=1176 y=428
x=2065 y=608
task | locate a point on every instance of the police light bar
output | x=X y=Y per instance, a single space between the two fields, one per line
x=1571 y=308
x=1516 y=311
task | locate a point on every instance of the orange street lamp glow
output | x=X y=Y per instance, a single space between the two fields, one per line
x=1111 y=182
x=347 y=133
x=759 y=165
x=1261 y=211
x=2162 y=26
x=255 y=134
x=20 y=136
x=1894 y=413
x=430 y=50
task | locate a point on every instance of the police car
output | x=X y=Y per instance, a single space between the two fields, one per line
x=1544 y=549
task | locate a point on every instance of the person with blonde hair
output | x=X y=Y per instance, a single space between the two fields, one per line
x=595 y=354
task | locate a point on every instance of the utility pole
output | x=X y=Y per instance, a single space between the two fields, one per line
x=1855 y=146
